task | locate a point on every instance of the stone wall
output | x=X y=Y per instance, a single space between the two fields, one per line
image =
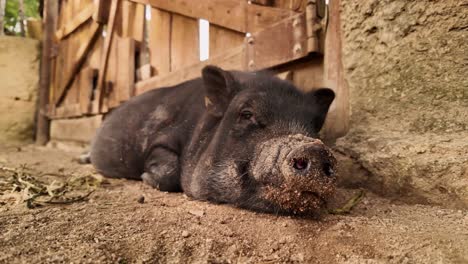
x=407 y=69
x=19 y=79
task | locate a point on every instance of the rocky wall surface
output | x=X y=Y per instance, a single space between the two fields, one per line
x=19 y=80
x=407 y=68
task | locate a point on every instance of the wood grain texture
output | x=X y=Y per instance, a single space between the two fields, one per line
x=101 y=11
x=185 y=48
x=111 y=94
x=75 y=22
x=79 y=129
x=132 y=20
x=159 y=39
x=222 y=39
x=233 y=59
x=100 y=91
x=125 y=75
x=337 y=124
x=86 y=87
x=46 y=71
x=74 y=60
x=280 y=43
x=233 y=14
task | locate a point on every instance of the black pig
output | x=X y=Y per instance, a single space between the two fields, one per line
x=247 y=139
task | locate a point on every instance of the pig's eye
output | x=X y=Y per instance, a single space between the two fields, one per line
x=246 y=114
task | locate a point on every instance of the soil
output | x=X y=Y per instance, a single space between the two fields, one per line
x=406 y=65
x=19 y=68
x=125 y=221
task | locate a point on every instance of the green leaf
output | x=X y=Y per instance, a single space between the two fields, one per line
x=12 y=14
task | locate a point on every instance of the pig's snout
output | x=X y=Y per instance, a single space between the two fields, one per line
x=310 y=160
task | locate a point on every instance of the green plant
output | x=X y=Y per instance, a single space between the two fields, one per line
x=12 y=15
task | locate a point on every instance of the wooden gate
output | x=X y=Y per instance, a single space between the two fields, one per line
x=107 y=51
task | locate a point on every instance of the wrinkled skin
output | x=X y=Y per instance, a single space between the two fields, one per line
x=247 y=139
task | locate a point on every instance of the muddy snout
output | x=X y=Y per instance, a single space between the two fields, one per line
x=298 y=173
x=311 y=160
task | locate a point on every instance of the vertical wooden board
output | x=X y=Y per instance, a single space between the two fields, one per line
x=138 y=22
x=101 y=98
x=71 y=97
x=53 y=76
x=111 y=93
x=125 y=77
x=337 y=123
x=86 y=88
x=75 y=8
x=185 y=49
x=309 y=76
x=295 y=5
x=95 y=53
x=101 y=13
x=159 y=32
x=222 y=39
x=133 y=18
x=60 y=67
x=63 y=12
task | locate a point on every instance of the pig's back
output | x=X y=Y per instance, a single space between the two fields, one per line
x=121 y=143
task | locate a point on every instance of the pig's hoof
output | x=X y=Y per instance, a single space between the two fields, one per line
x=160 y=183
x=148 y=179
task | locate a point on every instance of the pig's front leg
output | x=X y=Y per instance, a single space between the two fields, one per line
x=162 y=170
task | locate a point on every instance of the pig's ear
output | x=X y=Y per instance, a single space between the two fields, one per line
x=321 y=101
x=220 y=87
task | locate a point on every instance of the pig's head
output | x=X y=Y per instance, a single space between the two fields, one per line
x=264 y=154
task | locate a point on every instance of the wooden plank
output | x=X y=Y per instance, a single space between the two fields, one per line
x=337 y=123
x=230 y=14
x=261 y=17
x=226 y=13
x=46 y=71
x=133 y=18
x=185 y=49
x=263 y=2
x=95 y=53
x=159 y=42
x=67 y=111
x=233 y=59
x=308 y=76
x=222 y=39
x=86 y=88
x=101 y=11
x=81 y=53
x=125 y=79
x=280 y=43
x=78 y=130
x=75 y=22
x=72 y=95
x=111 y=94
x=105 y=56
x=295 y=5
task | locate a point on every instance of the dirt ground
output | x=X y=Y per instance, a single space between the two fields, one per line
x=112 y=226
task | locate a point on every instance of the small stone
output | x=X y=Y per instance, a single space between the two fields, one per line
x=299 y=257
x=284 y=224
x=199 y=213
x=141 y=199
x=185 y=234
x=228 y=232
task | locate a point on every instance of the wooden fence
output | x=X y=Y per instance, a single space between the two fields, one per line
x=104 y=52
